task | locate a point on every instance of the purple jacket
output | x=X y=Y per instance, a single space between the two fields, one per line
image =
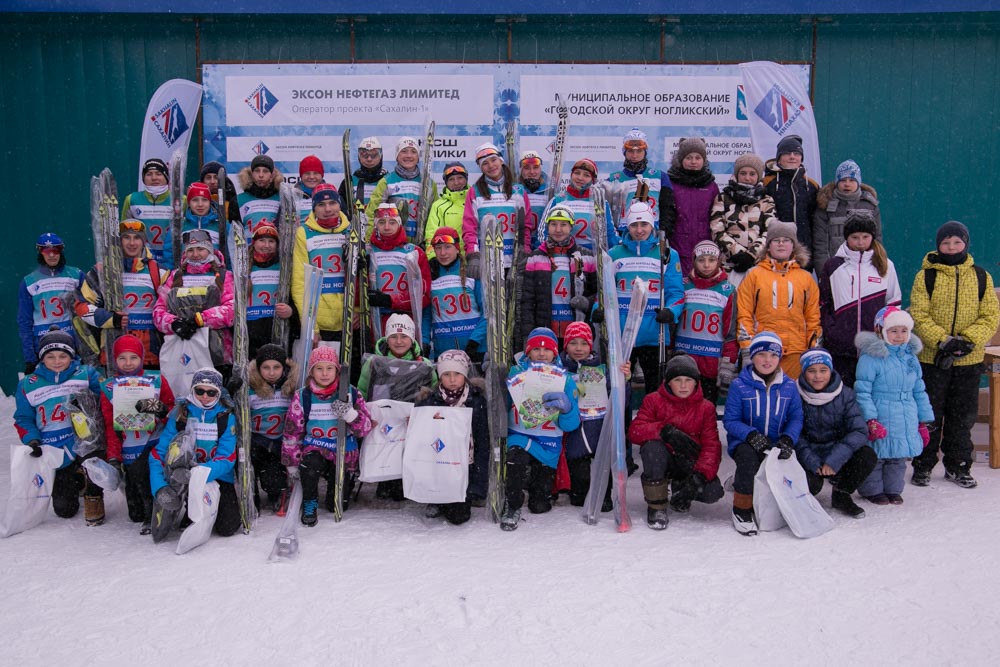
x=694 y=206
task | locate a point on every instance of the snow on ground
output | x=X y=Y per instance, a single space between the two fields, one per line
x=910 y=584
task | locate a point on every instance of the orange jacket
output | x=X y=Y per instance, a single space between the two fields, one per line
x=779 y=297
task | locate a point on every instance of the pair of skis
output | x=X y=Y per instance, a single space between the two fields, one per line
x=108 y=251
x=176 y=168
x=290 y=197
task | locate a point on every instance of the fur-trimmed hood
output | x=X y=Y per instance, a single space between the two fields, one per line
x=475 y=383
x=246 y=178
x=871 y=343
x=264 y=389
x=826 y=193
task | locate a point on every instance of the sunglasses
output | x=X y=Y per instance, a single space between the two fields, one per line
x=368 y=154
x=211 y=393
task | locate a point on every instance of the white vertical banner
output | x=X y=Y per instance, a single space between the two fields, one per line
x=169 y=121
x=778 y=106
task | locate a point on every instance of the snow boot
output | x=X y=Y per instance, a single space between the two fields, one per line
x=921 y=477
x=961 y=476
x=656 y=492
x=93 y=510
x=539 y=504
x=509 y=519
x=309 y=508
x=842 y=502
x=579 y=480
x=744 y=520
x=879 y=499
x=145 y=529
x=894 y=498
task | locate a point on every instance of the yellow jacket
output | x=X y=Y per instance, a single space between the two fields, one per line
x=331 y=306
x=783 y=298
x=942 y=314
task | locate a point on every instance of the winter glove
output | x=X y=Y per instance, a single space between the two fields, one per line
x=557 y=400
x=759 y=442
x=472 y=349
x=681 y=443
x=689 y=490
x=472 y=266
x=152 y=406
x=168 y=499
x=875 y=430
x=742 y=261
x=342 y=410
x=925 y=434
x=580 y=304
x=665 y=316
x=293 y=472
x=727 y=371
x=956 y=346
x=377 y=299
x=29 y=367
x=180 y=476
x=745 y=357
x=597 y=316
x=786 y=447
x=234 y=385
x=36 y=448
x=116 y=320
x=965 y=346
x=185 y=327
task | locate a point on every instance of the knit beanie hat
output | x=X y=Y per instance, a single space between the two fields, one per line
x=776 y=229
x=445 y=235
x=765 y=341
x=704 y=248
x=398 y=323
x=952 y=228
x=749 y=160
x=370 y=144
x=198 y=190
x=324 y=354
x=209 y=168
x=790 y=144
x=690 y=145
x=578 y=330
x=859 y=220
x=542 y=337
x=587 y=165
x=198 y=238
x=325 y=192
x=262 y=161
x=311 y=163
x=816 y=355
x=128 y=343
x=55 y=340
x=893 y=316
x=271 y=352
x=208 y=377
x=849 y=169
x=265 y=230
x=639 y=211
x=486 y=150
x=406 y=142
x=156 y=164
x=681 y=365
x=454 y=360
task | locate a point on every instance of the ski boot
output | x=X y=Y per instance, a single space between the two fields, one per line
x=93 y=510
x=309 y=509
x=961 y=476
x=509 y=519
x=744 y=522
x=842 y=502
x=921 y=477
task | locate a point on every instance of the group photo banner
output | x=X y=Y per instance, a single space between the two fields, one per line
x=289 y=111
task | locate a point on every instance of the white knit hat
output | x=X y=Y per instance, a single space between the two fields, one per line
x=399 y=323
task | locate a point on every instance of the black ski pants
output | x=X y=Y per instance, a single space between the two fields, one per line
x=138 y=496
x=954 y=395
x=851 y=474
x=228 y=520
x=540 y=486
x=265 y=455
x=659 y=463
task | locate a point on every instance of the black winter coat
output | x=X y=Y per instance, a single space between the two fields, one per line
x=794 y=196
x=535 y=308
x=832 y=431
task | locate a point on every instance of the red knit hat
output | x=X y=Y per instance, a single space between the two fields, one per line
x=579 y=330
x=445 y=235
x=311 y=163
x=199 y=190
x=541 y=337
x=265 y=229
x=323 y=354
x=128 y=343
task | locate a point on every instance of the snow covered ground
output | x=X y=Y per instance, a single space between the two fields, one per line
x=910 y=584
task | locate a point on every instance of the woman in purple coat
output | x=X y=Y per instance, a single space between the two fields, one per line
x=694 y=193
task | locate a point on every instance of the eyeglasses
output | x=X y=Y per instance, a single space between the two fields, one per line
x=211 y=393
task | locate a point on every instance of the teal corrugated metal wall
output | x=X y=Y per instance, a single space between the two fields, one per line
x=914 y=99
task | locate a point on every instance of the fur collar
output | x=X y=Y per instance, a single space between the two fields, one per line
x=870 y=343
x=826 y=193
x=266 y=390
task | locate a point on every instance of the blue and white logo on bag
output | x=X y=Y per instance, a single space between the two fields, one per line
x=170 y=122
x=260 y=148
x=185 y=359
x=437 y=445
x=787 y=482
x=387 y=429
x=261 y=100
x=38 y=481
x=207 y=499
x=779 y=109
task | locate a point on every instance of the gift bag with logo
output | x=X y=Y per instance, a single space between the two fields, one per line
x=436 y=454
x=179 y=359
x=202 y=508
x=781 y=496
x=382 y=449
x=31 y=481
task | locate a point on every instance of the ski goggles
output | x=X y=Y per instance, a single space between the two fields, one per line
x=636 y=143
x=455 y=170
x=487 y=152
x=531 y=162
x=134 y=226
x=196 y=236
x=444 y=237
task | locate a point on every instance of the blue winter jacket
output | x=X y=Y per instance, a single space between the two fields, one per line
x=673 y=286
x=774 y=411
x=890 y=388
x=546 y=443
x=832 y=427
x=220 y=457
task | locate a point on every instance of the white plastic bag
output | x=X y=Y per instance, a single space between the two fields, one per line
x=382 y=449
x=202 y=508
x=179 y=359
x=286 y=543
x=436 y=454
x=31 y=482
x=781 y=495
x=103 y=474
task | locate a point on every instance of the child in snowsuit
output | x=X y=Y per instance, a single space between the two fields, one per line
x=260 y=200
x=128 y=448
x=215 y=448
x=45 y=298
x=456 y=389
x=763 y=410
x=41 y=418
x=309 y=445
x=857 y=282
x=739 y=217
x=955 y=311
x=793 y=192
x=263 y=305
x=834 y=203
x=707 y=330
x=152 y=205
x=893 y=400
x=273 y=382
x=695 y=192
x=455 y=318
x=833 y=444
x=537 y=447
x=560 y=279
x=677 y=431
